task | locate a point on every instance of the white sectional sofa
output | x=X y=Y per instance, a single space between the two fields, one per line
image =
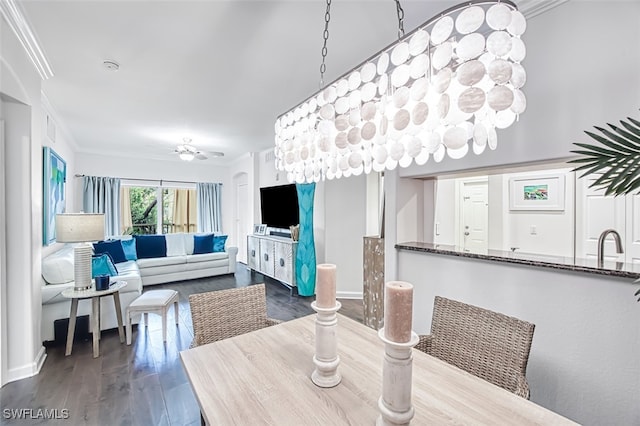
x=179 y=264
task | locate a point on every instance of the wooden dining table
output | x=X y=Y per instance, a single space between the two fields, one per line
x=264 y=378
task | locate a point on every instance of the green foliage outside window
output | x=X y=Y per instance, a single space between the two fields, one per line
x=144 y=214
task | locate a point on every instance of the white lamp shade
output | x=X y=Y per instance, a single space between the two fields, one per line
x=79 y=227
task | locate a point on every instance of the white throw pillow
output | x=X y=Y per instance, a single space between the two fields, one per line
x=175 y=244
x=188 y=242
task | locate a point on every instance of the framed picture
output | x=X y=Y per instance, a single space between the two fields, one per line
x=54 y=176
x=545 y=192
x=259 y=229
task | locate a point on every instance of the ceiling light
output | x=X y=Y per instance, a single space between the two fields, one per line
x=448 y=84
x=186 y=155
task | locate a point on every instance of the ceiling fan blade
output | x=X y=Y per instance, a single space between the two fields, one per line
x=201 y=156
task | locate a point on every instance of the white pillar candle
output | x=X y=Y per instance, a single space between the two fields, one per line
x=398 y=311
x=326 y=285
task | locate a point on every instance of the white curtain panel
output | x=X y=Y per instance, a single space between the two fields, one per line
x=209 y=197
x=102 y=195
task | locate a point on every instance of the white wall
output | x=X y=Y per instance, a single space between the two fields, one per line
x=139 y=168
x=584 y=357
x=21 y=349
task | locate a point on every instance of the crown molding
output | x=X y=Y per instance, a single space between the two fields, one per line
x=12 y=13
x=531 y=8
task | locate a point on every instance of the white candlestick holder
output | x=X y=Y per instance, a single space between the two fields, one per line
x=326 y=358
x=395 y=402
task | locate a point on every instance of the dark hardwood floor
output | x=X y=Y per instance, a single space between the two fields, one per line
x=141 y=384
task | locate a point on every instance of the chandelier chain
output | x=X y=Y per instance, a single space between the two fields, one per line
x=325 y=36
x=400 y=11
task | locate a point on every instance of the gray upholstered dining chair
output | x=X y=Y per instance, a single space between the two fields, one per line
x=487 y=344
x=221 y=314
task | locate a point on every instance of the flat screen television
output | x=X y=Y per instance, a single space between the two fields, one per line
x=279 y=206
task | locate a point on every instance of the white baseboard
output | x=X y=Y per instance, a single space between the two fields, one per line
x=28 y=370
x=349 y=295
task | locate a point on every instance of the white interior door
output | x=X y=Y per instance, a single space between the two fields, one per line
x=474 y=216
x=242 y=199
x=595 y=213
x=632 y=233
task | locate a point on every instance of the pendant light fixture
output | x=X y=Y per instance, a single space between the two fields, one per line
x=442 y=90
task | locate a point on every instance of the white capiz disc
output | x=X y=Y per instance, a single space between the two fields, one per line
x=329 y=94
x=341 y=140
x=477 y=149
x=499 y=43
x=518 y=24
x=419 y=89
x=328 y=112
x=355 y=98
x=405 y=161
x=433 y=142
x=401 y=119
x=455 y=115
x=368 y=72
x=342 y=105
x=470 y=73
x=380 y=154
x=442 y=80
x=343 y=163
x=396 y=151
x=354 y=80
x=355 y=160
x=418 y=42
x=368 y=91
x=499 y=16
x=454 y=137
x=400 y=54
x=383 y=63
x=313 y=105
x=471 y=46
x=500 y=98
x=519 y=102
x=441 y=30
x=341 y=122
x=443 y=105
x=400 y=75
x=368 y=130
x=383 y=125
x=479 y=134
x=419 y=66
x=505 y=118
x=518 y=76
x=422 y=158
x=492 y=138
x=355 y=117
x=420 y=113
x=401 y=96
x=304 y=153
x=518 y=50
x=439 y=154
x=458 y=153
x=354 y=136
x=368 y=111
x=383 y=84
x=343 y=87
x=500 y=71
x=471 y=99
x=414 y=146
x=470 y=19
x=304 y=109
x=442 y=55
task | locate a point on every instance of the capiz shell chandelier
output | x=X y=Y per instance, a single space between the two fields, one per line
x=448 y=84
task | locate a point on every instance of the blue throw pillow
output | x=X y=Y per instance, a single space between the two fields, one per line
x=113 y=247
x=148 y=246
x=219 y=242
x=129 y=248
x=102 y=264
x=202 y=244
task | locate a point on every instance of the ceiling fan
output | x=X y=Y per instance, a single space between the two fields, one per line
x=188 y=152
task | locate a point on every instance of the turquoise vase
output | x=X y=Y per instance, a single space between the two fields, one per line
x=306 y=253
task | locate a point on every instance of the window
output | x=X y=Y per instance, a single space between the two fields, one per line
x=140 y=213
x=179 y=210
x=139 y=210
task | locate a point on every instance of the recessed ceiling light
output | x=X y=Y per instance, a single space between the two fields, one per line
x=111 y=65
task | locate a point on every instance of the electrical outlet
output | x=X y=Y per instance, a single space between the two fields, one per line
x=437 y=228
x=533 y=230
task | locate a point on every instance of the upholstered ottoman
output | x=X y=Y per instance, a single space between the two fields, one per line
x=153 y=301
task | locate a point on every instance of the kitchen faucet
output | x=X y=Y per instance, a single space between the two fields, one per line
x=603 y=236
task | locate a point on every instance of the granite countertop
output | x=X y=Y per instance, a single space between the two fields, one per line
x=616 y=269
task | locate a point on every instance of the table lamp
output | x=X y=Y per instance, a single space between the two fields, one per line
x=80 y=228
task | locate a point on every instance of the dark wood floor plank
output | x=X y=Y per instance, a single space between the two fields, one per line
x=144 y=383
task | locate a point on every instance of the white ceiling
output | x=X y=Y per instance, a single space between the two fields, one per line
x=219 y=72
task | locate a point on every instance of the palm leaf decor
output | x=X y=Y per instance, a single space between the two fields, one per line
x=616 y=158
